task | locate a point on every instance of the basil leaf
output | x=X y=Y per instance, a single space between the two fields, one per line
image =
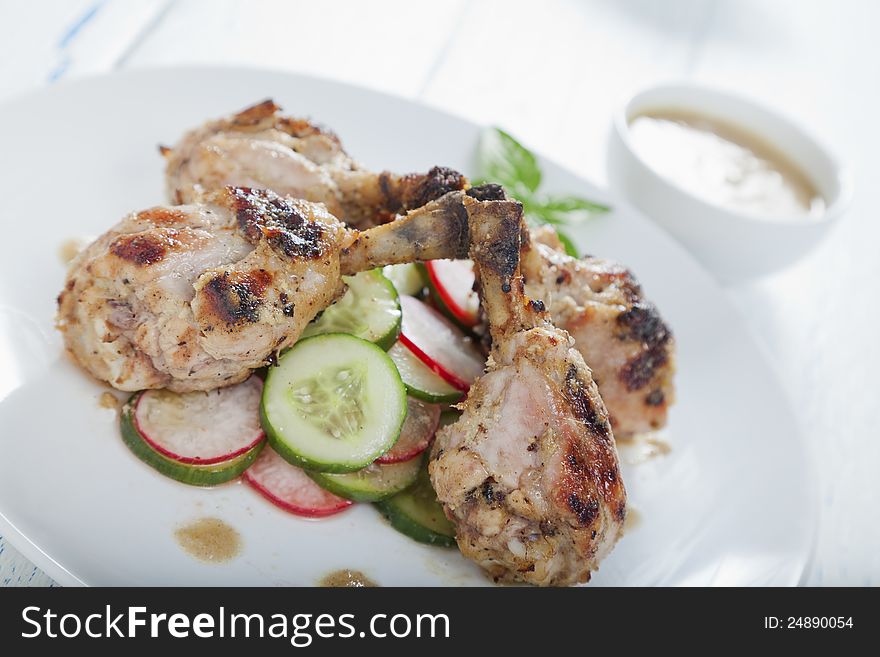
x=536 y=215
x=568 y=243
x=503 y=160
x=559 y=209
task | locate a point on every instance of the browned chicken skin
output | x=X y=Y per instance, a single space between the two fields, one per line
x=529 y=474
x=620 y=333
x=258 y=147
x=194 y=297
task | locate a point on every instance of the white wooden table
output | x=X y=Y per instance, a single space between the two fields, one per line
x=551 y=72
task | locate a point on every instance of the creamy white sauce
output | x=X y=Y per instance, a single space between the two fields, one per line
x=724 y=165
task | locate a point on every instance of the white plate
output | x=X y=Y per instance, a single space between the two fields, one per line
x=732 y=503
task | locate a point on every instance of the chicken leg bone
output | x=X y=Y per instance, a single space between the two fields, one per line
x=259 y=147
x=194 y=297
x=529 y=473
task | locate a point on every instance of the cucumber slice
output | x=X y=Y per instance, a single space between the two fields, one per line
x=417 y=513
x=407 y=278
x=420 y=381
x=369 y=309
x=211 y=474
x=334 y=403
x=370 y=484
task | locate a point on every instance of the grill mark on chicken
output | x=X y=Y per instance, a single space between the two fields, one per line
x=655 y=398
x=586 y=512
x=584 y=465
x=236 y=299
x=262 y=213
x=641 y=370
x=456 y=232
x=487 y=192
x=287 y=307
x=490 y=494
x=582 y=406
x=142 y=250
x=304 y=241
x=418 y=190
x=502 y=255
x=643 y=323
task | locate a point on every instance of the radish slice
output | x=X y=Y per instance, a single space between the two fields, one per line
x=201 y=427
x=290 y=488
x=420 y=380
x=439 y=344
x=453 y=281
x=415 y=436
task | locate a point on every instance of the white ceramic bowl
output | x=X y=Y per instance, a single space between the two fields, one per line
x=733 y=245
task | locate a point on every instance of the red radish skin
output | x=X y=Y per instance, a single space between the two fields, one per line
x=449 y=377
x=417 y=377
x=465 y=310
x=422 y=420
x=190 y=460
x=439 y=344
x=291 y=489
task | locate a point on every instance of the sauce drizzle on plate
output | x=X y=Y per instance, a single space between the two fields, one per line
x=346 y=578
x=209 y=539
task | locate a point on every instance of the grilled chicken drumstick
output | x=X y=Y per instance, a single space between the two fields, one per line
x=619 y=332
x=258 y=147
x=194 y=297
x=621 y=335
x=529 y=473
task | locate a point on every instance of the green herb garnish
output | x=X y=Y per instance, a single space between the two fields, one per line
x=502 y=159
